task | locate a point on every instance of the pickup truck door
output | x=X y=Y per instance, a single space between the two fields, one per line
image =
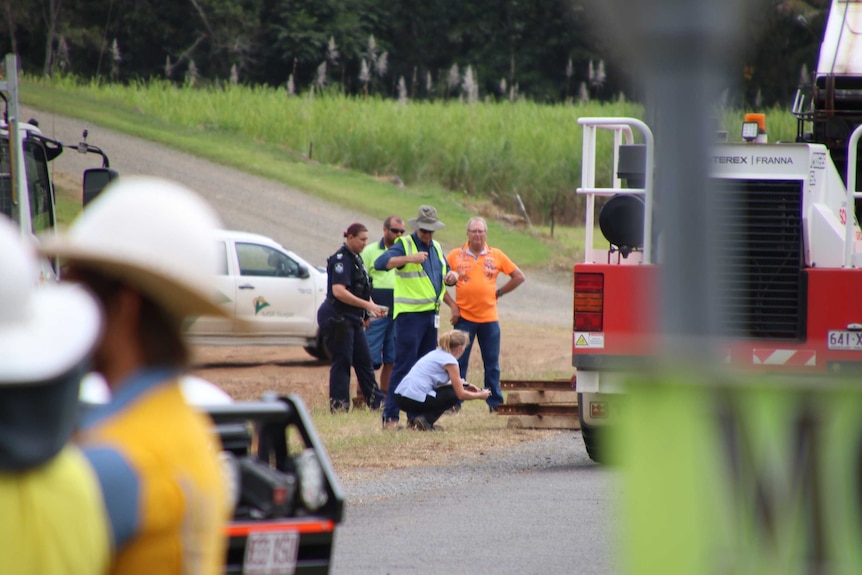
x=226 y=293
x=275 y=294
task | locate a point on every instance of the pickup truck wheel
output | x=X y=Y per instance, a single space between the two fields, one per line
x=590 y=436
x=318 y=350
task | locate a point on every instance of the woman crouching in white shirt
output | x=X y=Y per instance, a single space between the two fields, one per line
x=434 y=383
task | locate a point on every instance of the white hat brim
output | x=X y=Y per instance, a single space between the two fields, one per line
x=178 y=297
x=58 y=331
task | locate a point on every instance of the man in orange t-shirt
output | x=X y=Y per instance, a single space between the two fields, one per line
x=476 y=295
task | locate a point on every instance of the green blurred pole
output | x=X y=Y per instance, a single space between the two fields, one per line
x=673 y=475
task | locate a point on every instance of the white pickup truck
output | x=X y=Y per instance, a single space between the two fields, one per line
x=270 y=294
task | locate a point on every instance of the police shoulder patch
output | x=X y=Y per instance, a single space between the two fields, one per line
x=339 y=267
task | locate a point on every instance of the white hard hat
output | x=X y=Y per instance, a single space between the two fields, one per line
x=45 y=330
x=156 y=235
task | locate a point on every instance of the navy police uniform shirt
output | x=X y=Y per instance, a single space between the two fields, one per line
x=346 y=268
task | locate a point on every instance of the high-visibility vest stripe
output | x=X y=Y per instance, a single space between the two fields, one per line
x=413 y=301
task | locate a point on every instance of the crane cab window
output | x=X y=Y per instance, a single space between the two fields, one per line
x=39 y=185
x=39 y=188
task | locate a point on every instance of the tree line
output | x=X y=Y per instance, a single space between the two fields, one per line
x=545 y=50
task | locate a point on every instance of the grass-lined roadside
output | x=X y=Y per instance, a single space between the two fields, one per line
x=356 y=441
x=483 y=150
x=347 y=188
x=357 y=445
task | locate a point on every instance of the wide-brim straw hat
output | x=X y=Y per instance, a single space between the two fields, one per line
x=45 y=330
x=152 y=234
x=426 y=220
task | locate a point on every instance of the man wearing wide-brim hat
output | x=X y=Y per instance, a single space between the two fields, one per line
x=53 y=518
x=147 y=248
x=421 y=276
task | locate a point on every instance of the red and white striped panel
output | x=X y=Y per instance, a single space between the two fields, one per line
x=790 y=357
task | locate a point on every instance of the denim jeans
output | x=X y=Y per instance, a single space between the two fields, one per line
x=488 y=336
x=415 y=335
x=381 y=341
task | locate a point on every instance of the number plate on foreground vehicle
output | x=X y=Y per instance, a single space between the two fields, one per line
x=271 y=553
x=849 y=340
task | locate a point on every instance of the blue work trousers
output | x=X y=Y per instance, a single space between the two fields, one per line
x=344 y=335
x=488 y=336
x=415 y=335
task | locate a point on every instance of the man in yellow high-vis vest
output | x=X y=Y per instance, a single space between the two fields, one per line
x=422 y=274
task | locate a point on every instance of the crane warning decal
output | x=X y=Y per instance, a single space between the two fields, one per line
x=794 y=357
x=589 y=340
x=746 y=477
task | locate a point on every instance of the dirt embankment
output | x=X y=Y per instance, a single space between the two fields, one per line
x=528 y=351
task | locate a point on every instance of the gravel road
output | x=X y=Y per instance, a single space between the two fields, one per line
x=539 y=507
x=309 y=226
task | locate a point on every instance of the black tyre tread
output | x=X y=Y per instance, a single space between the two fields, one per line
x=591 y=443
x=318 y=351
x=591 y=436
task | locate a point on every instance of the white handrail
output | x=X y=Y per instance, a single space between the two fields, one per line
x=620 y=127
x=17 y=164
x=852 y=194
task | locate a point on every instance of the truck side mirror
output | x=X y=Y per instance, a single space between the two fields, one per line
x=95 y=180
x=632 y=165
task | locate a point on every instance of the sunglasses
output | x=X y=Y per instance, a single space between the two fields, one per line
x=396 y=230
x=426 y=231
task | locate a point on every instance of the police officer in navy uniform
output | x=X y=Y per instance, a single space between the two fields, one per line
x=343 y=317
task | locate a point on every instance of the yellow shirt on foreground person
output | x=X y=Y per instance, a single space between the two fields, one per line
x=36 y=507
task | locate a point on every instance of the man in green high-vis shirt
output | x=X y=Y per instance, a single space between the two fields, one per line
x=381 y=332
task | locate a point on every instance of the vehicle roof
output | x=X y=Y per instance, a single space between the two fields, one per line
x=247 y=236
x=238 y=236
x=23 y=127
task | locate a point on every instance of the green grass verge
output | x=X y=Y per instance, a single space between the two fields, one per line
x=347 y=188
x=482 y=150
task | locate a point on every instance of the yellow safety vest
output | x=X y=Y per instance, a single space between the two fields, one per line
x=182 y=497
x=414 y=290
x=53 y=519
